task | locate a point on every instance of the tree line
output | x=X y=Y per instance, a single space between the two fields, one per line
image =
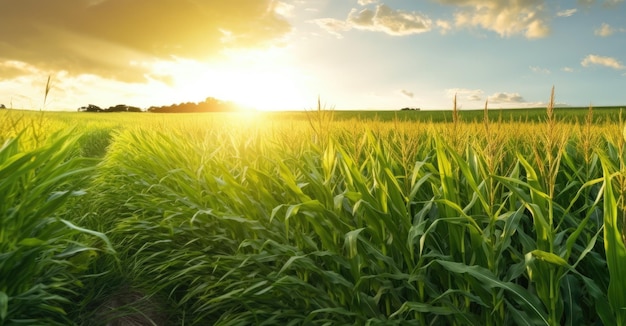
x=210 y=104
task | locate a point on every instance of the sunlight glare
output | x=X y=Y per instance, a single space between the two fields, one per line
x=261 y=80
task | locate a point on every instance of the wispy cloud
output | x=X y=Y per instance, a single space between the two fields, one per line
x=12 y=68
x=566 y=12
x=407 y=93
x=390 y=21
x=333 y=26
x=284 y=9
x=506 y=98
x=609 y=62
x=465 y=94
x=528 y=17
x=78 y=36
x=568 y=69
x=444 y=26
x=539 y=70
x=381 y=19
x=606 y=30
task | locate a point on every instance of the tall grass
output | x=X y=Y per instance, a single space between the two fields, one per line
x=320 y=121
x=41 y=251
x=326 y=221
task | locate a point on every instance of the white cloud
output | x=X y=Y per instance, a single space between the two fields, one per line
x=367 y=2
x=566 y=12
x=507 y=18
x=465 y=94
x=284 y=9
x=609 y=62
x=606 y=30
x=407 y=93
x=13 y=68
x=382 y=19
x=539 y=70
x=568 y=69
x=506 y=98
x=333 y=26
x=444 y=26
x=390 y=21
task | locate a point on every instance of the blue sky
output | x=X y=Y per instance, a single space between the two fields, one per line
x=282 y=55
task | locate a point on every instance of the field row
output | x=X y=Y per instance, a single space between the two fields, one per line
x=316 y=220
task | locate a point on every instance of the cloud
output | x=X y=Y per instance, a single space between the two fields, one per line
x=406 y=93
x=609 y=62
x=101 y=37
x=540 y=70
x=506 y=98
x=612 y=3
x=333 y=26
x=444 y=26
x=566 y=12
x=606 y=30
x=13 y=69
x=507 y=18
x=367 y=2
x=465 y=94
x=382 y=19
x=284 y=9
x=568 y=69
x=390 y=21
x=605 y=3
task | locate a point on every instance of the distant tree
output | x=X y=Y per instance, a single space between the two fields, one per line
x=2 y=106
x=116 y=108
x=90 y=108
x=210 y=104
x=123 y=108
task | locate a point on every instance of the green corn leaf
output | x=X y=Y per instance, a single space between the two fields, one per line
x=488 y=280
x=4 y=305
x=615 y=250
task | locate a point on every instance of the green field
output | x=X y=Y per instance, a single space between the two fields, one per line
x=516 y=217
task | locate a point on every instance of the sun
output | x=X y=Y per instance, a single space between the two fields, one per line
x=261 y=88
x=253 y=79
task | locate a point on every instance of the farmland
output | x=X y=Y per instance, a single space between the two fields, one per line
x=317 y=218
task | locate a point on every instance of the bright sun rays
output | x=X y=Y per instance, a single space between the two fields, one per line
x=261 y=80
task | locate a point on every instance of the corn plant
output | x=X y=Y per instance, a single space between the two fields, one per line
x=291 y=220
x=41 y=258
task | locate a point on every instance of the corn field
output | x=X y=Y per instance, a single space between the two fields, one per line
x=227 y=220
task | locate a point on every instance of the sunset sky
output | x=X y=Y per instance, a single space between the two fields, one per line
x=280 y=55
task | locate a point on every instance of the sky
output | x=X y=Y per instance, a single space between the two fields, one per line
x=283 y=55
